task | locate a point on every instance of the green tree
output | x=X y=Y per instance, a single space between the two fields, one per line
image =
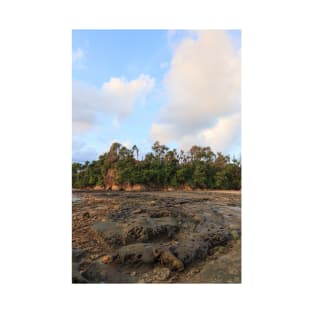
x=199 y=168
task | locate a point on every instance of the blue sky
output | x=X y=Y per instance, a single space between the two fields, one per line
x=138 y=86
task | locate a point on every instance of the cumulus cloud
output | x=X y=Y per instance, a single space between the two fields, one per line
x=116 y=97
x=164 y=132
x=202 y=87
x=222 y=136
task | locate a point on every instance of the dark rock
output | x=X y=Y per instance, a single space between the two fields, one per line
x=198 y=245
x=104 y=273
x=86 y=215
x=137 y=253
x=155 y=237
x=141 y=229
x=227 y=269
x=218 y=237
x=78 y=255
x=77 y=278
x=185 y=252
x=110 y=231
x=160 y=213
x=122 y=214
x=146 y=229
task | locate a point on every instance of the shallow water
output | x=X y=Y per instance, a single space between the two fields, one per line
x=75 y=198
x=236 y=208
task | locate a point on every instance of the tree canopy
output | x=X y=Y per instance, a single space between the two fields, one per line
x=199 y=167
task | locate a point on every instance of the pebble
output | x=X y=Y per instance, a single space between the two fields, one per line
x=106 y=259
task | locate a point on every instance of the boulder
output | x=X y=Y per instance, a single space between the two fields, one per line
x=168 y=259
x=105 y=273
x=110 y=232
x=97 y=188
x=199 y=245
x=140 y=229
x=135 y=187
x=127 y=187
x=190 y=249
x=106 y=259
x=138 y=187
x=116 y=187
x=146 y=229
x=136 y=254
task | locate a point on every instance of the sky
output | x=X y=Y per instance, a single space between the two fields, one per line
x=179 y=87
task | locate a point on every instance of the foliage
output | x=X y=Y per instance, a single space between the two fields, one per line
x=199 y=167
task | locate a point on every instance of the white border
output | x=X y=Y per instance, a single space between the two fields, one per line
x=36 y=155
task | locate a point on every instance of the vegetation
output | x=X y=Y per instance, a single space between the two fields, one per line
x=199 y=167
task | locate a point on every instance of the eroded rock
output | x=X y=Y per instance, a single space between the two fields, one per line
x=153 y=237
x=136 y=253
x=168 y=259
x=77 y=278
x=157 y=275
x=105 y=273
x=141 y=229
x=145 y=229
x=110 y=231
x=78 y=255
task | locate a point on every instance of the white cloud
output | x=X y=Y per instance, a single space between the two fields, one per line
x=122 y=93
x=128 y=144
x=117 y=97
x=203 y=92
x=77 y=55
x=163 y=132
x=223 y=136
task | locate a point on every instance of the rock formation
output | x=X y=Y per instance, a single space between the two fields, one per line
x=128 y=237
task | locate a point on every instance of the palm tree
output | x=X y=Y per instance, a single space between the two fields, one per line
x=135 y=149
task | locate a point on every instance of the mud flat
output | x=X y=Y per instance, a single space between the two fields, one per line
x=156 y=237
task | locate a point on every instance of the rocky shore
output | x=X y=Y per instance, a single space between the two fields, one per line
x=156 y=237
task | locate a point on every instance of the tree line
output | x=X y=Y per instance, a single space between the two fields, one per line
x=199 y=167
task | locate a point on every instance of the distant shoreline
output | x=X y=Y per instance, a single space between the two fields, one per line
x=158 y=190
